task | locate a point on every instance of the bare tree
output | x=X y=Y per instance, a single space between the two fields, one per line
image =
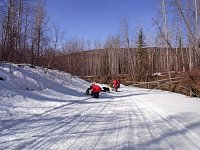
x=186 y=16
x=166 y=36
x=112 y=44
x=126 y=39
x=57 y=37
x=40 y=26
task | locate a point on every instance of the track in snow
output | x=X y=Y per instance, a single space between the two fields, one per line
x=116 y=121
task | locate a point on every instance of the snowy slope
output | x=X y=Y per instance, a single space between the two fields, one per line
x=30 y=89
x=50 y=111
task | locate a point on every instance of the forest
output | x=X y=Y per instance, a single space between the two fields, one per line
x=27 y=35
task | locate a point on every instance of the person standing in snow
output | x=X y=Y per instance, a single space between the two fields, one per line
x=115 y=85
x=118 y=83
x=95 y=89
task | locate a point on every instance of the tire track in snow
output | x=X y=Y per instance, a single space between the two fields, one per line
x=122 y=140
x=83 y=138
x=141 y=131
x=38 y=136
x=188 y=136
x=18 y=122
x=66 y=128
x=118 y=133
x=71 y=134
x=135 y=120
x=105 y=130
x=164 y=128
x=149 y=140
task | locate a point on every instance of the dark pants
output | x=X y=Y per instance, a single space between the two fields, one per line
x=115 y=88
x=95 y=95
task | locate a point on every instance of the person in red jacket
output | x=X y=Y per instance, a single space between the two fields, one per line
x=95 y=89
x=115 y=85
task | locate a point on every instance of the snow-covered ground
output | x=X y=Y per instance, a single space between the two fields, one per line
x=51 y=111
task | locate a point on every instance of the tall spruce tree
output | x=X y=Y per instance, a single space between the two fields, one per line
x=141 y=55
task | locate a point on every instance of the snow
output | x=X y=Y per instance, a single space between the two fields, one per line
x=50 y=110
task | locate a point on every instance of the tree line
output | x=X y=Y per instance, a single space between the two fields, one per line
x=28 y=36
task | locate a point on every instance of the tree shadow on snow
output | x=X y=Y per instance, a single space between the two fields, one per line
x=47 y=129
x=113 y=96
x=175 y=130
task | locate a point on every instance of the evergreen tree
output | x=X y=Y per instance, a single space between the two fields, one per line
x=141 y=55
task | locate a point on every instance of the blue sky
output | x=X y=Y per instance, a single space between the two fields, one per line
x=96 y=19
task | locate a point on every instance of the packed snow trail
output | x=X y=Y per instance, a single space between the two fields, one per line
x=120 y=120
x=50 y=111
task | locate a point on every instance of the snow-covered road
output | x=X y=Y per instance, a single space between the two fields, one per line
x=50 y=111
x=122 y=120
